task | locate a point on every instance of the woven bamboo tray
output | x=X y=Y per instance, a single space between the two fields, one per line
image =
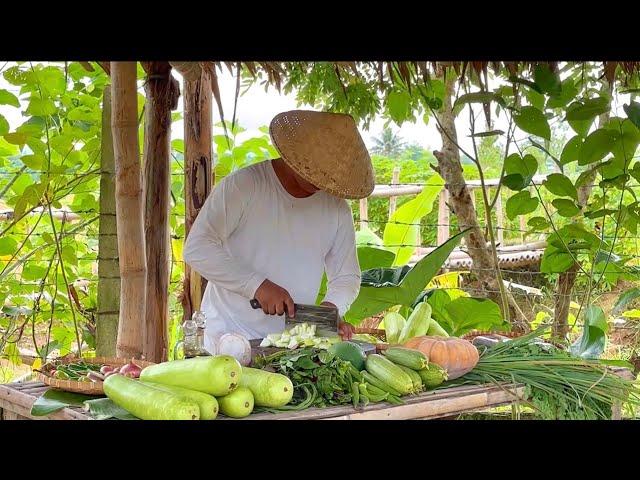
x=88 y=388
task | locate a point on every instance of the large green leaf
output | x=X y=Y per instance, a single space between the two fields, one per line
x=368 y=258
x=625 y=298
x=633 y=112
x=399 y=106
x=566 y=208
x=555 y=260
x=593 y=340
x=457 y=313
x=568 y=93
x=469 y=313
x=532 y=120
x=547 y=80
x=439 y=299
x=559 y=184
x=589 y=109
x=520 y=204
x=581 y=127
x=104 y=408
x=401 y=286
x=366 y=237
x=8 y=98
x=627 y=139
x=556 y=257
x=519 y=171
x=571 y=150
x=596 y=146
x=8 y=245
x=4 y=126
x=403 y=227
x=40 y=107
x=53 y=400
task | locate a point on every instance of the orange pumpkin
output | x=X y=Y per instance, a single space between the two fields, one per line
x=455 y=355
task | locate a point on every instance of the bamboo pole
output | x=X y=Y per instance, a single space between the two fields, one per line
x=395 y=178
x=500 y=219
x=108 y=269
x=364 y=213
x=129 y=210
x=198 y=172
x=443 y=217
x=162 y=93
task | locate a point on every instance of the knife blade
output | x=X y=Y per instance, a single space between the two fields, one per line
x=325 y=318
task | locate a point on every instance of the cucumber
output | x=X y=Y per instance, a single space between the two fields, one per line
x=379 y=383
x=207 y=403
x=415 y=378
x=390 y=373
x=407 y=357
x=432 y=376
x=238 y=404
x=148 y=403
x=269 y=389
x=218 y=375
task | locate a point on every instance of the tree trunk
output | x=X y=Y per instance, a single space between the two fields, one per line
x=450 y=168
x=198 y=173
x=567 y=279
x=563 y=301
x=108 y=270
x=129 y=210
x=162 y=93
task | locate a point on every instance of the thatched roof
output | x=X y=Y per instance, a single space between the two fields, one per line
x=388 y=73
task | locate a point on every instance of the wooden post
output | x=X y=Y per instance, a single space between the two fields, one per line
x=443 y=217
x=364 y=213
x=129 y=210
x=162 y=93
x=108 y=269
x=395 y=178
x=472 y=192
x=499 y=219
x=198 y=172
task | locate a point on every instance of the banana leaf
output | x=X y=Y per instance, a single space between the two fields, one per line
x=383 y=288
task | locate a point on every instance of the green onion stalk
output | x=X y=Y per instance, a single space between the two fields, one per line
x=558 y=385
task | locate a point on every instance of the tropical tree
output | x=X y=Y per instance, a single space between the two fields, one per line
x=388 y=144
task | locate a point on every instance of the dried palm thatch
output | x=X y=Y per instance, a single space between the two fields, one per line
x=407 y=74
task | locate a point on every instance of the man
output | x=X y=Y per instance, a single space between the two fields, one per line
x=270 y=230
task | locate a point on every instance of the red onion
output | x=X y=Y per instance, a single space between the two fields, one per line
x=130 y=370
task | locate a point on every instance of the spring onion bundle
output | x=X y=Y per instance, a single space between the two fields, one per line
x=558 y=385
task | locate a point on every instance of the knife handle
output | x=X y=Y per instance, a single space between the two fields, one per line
x=255 y=303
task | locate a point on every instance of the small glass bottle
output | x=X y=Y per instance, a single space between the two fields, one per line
x=188 y=346
x=201 y=322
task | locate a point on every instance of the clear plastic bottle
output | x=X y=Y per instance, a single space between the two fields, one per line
x=188 y=346
x=201 y=322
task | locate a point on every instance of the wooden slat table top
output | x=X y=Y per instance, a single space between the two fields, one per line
x=18 y=398
x=433 y=404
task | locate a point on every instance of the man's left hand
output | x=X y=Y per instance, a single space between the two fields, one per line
x=346 y=330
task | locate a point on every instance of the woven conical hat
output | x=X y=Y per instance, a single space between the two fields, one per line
x=325 y=149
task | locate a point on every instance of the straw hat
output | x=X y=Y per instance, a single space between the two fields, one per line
x=325 y=149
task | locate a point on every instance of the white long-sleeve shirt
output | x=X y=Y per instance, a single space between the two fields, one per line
x=251 y=229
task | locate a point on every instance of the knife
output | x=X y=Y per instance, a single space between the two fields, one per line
x=325 y=318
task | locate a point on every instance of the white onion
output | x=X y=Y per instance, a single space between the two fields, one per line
x=235 y=345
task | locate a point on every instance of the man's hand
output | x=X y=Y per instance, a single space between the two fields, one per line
x=346 y=330
x=274 y=299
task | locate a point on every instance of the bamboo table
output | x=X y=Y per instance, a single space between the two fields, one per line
x=16 y=400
